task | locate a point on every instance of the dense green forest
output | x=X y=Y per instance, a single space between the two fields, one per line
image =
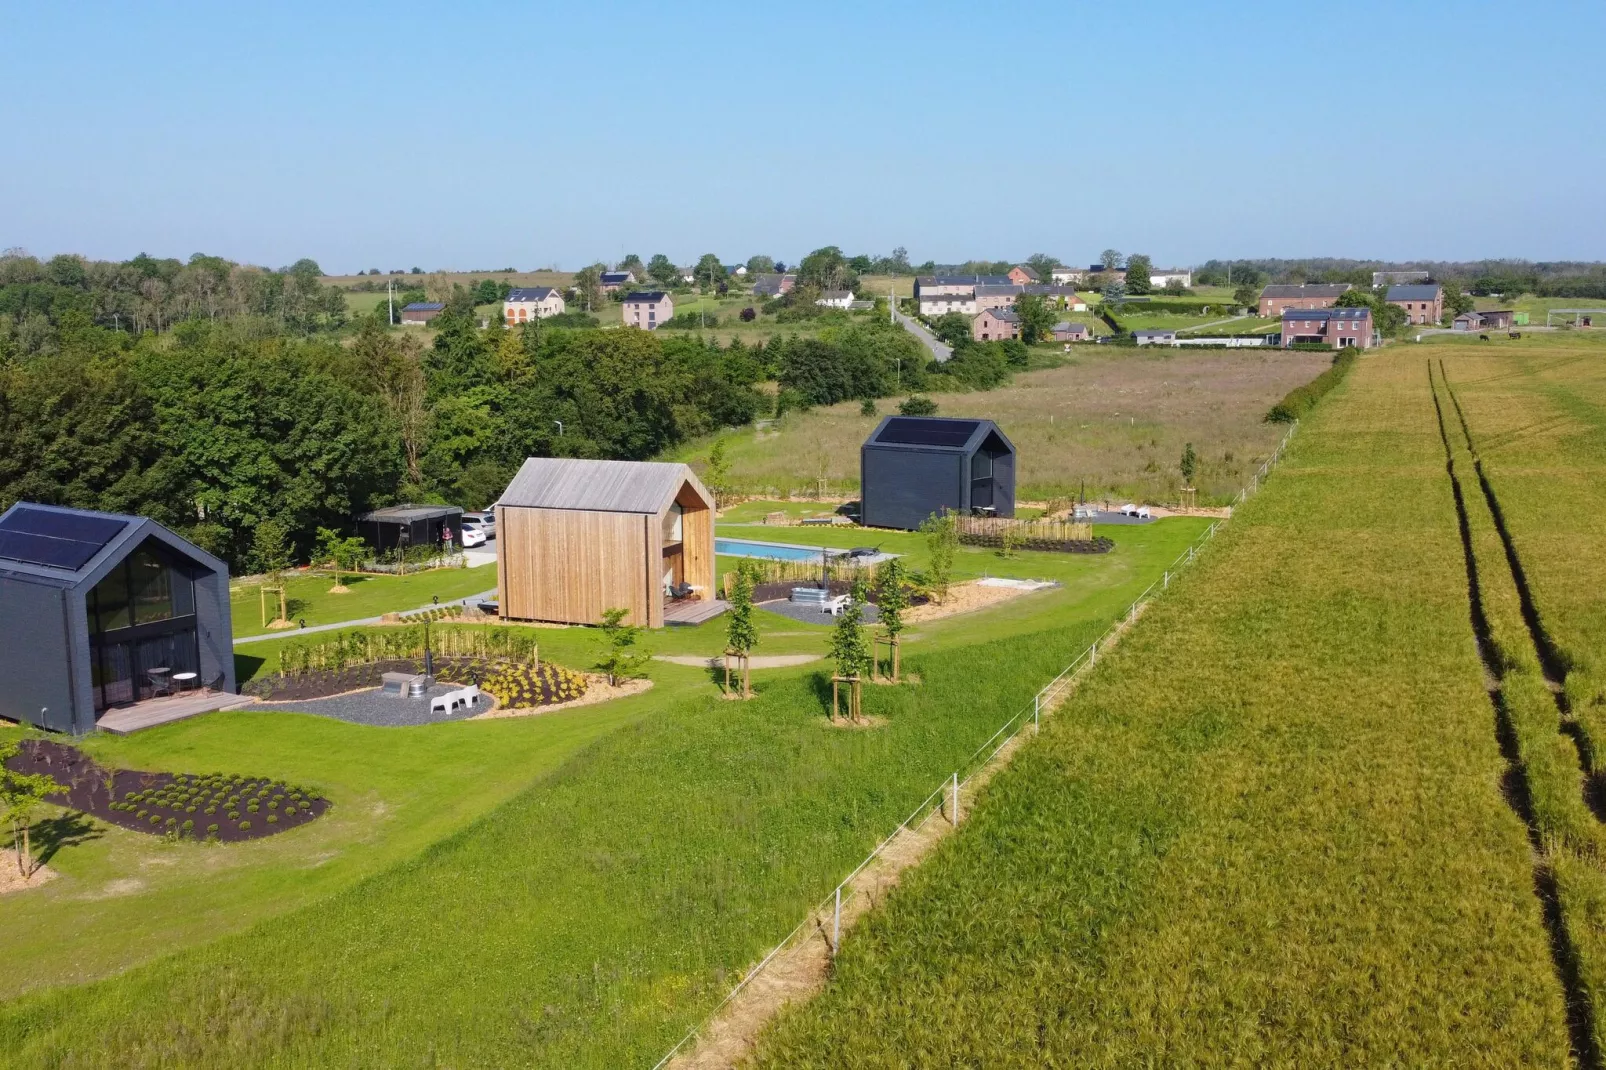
x=215 y=397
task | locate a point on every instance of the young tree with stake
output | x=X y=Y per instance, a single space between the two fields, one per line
x=850 y=649
x=621 y=659
x=942 y=543
x=741 y=634
x=891 y=600
x=20 y=796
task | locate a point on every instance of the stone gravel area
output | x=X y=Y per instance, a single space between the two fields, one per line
x=809 y=615
x=384 y=711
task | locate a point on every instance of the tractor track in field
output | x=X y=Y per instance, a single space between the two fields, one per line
x=1564 y=954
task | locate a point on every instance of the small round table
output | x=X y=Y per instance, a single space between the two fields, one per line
x=185 y=680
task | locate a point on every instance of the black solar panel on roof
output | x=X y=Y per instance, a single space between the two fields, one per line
x=55 y=540
x=903 y=431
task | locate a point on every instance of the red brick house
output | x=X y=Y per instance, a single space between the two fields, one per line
x=1341 y=328
x=1423 y=302
x=995 y=325
x=1023 y=275
x=1276 y=298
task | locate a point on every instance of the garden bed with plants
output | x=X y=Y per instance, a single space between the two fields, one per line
x=511 y=683
x=213 y=806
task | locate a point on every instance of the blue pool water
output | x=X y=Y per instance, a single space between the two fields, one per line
x=771 y=550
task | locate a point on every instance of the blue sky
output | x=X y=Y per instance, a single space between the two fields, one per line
x=475 y=136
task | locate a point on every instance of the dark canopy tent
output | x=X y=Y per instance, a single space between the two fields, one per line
x=913 y=466
x=91 y=602
x=410 y=525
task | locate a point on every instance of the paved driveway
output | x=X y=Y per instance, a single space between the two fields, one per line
x=939 y=351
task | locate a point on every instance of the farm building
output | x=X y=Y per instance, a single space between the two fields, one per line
x=1500 y=319
x=421 y=312
x=1065 y=331
x=100 y=611
x=1277 y=297
x=913 y=466
x=1155 y=337
x=411 y=525
x=580 y=537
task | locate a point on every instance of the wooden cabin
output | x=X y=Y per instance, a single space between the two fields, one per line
x=576 y=538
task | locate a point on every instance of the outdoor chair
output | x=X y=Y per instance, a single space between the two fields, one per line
x=684 y=590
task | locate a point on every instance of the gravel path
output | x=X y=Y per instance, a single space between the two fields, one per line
x=380 y=710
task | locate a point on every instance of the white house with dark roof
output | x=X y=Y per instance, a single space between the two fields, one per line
x=842 y=299
x=1160 y=278
x=523 y=304
x=617 y=280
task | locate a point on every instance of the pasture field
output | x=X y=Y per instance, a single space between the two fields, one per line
x=610 y=895
x=1268 y=829
x=1113 y=419
x=1535 y=415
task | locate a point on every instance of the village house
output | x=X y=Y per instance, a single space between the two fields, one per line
x=842 y=299
x=421 y=312
x=995 y=325
x=956 y=284
x=1057 y=296
x=648 y=309
x=1106 y=275
x=1071 y=332
x=523 y=304
x=1341 y=328
x=1065 y=276
x=773 y=285
x=1277 y=297
x=1155 y=338
x=941 y=304
x=1023 y=275
x=617 y=280
x=1422 y=302
x=1160 y=278
x=994 y=296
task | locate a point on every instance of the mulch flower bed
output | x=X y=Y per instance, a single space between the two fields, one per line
x=769 y=592
x=328 y=682
x=215 y=806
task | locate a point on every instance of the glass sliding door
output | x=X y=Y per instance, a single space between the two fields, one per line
x=141 y=617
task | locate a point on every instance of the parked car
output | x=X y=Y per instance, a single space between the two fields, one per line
x=472 y=537
x=484 y=522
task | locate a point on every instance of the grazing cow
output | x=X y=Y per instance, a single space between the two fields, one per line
x=1483 y=337
x=1514 y=334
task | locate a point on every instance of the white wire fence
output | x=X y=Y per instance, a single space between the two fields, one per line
x=944 y=800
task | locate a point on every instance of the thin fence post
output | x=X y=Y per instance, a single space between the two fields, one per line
x=956 y=801
x=1037 y=708
x=1093 y=653
x=1165 y=581
x=836 y=924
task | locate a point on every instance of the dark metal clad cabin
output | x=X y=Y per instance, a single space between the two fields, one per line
x=914 y=466
x=411 y=525
x=101 y=611
x=577 y=538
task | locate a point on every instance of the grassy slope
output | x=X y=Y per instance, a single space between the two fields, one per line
x=125 y=897
x=1537 y=413
x=597 y=914
x=1268 y=831
x=370 y=596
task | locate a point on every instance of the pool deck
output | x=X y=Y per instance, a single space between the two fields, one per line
x=694 y=612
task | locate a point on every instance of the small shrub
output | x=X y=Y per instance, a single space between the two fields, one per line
x=188 y=826
x=234 y=815
x=210 y=810
x=273 y=819
x=142 y=813
x=245 y=826
x=289 y=811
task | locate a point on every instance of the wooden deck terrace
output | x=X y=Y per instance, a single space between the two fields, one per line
x=690 y=611
x=121 y=720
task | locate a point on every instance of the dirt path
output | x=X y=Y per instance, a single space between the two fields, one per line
x=757 y=661
x=801 y=966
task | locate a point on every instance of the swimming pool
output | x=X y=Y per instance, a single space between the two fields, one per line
x=774 y=551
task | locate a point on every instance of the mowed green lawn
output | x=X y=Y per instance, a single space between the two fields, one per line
x=369 y=596
x=1267 y=831
x=600 y=910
